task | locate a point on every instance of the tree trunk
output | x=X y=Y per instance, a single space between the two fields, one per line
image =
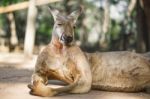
x=30 y=29
x=142 y=29
x=106 y=23
x=146 y=7
x=13 y=38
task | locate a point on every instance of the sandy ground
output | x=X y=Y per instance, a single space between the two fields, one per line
x=15 y=74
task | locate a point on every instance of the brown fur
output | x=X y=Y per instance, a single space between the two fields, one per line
x=112 y=71
x=119 y=71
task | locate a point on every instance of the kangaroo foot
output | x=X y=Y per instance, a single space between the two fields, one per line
x=39 y=89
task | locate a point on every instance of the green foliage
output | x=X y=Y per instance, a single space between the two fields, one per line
x=1 y=21
x=45 y=22
x=115 y=30
x=44 y=29
x=116 y=1
x=8 y=2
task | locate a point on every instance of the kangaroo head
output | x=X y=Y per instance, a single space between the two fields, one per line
x=64 y=25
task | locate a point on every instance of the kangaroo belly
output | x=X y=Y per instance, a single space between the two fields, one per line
x=119 y=71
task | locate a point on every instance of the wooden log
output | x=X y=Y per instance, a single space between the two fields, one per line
x=24 y=5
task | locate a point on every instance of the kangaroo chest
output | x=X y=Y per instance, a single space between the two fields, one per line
x=62 y=67
x=59 y=61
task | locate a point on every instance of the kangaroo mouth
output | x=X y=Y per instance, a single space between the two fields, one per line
x=66 y=40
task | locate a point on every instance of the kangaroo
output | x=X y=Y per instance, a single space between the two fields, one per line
x=63 y=60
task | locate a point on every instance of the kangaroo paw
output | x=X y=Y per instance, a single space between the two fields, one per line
x=39 y=89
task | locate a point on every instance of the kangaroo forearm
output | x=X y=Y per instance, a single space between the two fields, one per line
x=68 y=87
x=64 y=88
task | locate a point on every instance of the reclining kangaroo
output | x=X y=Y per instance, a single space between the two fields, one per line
x=65 y=61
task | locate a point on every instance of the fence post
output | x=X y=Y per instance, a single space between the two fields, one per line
x=30 y=29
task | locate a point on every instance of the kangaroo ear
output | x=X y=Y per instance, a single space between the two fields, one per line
x=75 y=14
x=54 y=12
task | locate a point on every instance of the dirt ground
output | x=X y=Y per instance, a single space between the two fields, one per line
x=15 y=73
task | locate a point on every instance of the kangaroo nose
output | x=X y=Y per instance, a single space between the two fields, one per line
x=69 y=39
x=66 y=39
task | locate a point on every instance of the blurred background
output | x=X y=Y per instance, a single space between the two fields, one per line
x=105 y=25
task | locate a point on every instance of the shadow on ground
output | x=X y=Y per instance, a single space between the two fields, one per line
x=13 y=75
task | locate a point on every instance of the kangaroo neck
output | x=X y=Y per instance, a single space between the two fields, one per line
x=55 y=42
x=56 y=45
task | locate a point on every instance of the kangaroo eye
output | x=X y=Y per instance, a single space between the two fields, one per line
x=74 y=26
x=59 y=24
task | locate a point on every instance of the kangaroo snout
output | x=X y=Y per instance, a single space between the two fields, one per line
x=66 y=39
